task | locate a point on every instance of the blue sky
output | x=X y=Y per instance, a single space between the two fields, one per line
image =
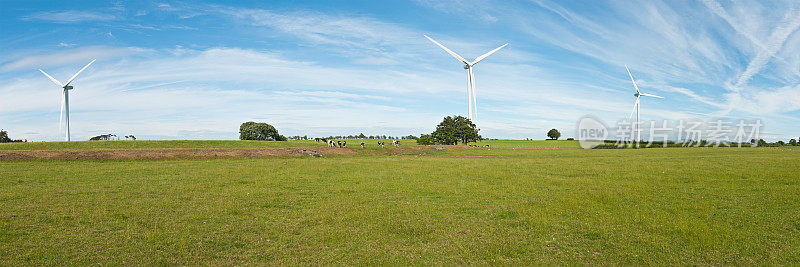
x=196 y=70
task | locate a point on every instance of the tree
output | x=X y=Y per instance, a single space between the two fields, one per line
x=762 y=143
x=781 y=143
x=4 y=137
x=793 y=142
x=259 y=131
x=553 y=134
x=425 y=139
x=452 y=130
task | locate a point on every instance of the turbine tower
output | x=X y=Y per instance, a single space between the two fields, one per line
x=472 y=101
x=65 y=96
x=636 y=107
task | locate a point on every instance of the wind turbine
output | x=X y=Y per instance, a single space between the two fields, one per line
x=472 y=101
x=636 y=106
x=65 y=96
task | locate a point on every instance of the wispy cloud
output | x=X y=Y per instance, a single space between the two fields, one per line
x=68 y=16
x=72 y=56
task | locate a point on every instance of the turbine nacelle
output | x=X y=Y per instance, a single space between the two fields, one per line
x=467 y=66
x=68 y=87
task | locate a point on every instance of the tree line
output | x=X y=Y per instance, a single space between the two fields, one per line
x=5 y=139
x=263 y=131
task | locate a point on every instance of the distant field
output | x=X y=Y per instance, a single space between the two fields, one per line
x=236 y=144
x=674 y=206
x=531 y=143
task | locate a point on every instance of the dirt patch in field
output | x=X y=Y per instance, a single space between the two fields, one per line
x=156 y=154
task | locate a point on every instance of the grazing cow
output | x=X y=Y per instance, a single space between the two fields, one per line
x=486 y=146
x=323 y=140
x=380 y=144
x=339 y=143
x=396 y=143
x=331 y=143
x=344 y=144
x=316 y=139
x=363 y=145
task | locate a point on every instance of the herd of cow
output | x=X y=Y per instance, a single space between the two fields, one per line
x=332 y=143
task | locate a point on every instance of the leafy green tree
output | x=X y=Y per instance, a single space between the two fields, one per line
x=425 y=139
x=454 y=129
x=4 y=137
x=793 y=142
x=762 y=143
x=259 y=131
x=553 y=134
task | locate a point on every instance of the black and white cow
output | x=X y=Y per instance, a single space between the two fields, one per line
x=396 y=143
x=363 y=145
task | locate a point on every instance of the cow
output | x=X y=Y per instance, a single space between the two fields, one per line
x=396 y=143
x=363 y=144
x=339 y=143
x=380 y=144
x=486 y=146
x=331 y=143
x=316 y=139
x=344 y=144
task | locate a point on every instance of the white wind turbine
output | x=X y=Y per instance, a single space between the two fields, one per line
x=636 y=106
x=472 y=101
x=65 y=96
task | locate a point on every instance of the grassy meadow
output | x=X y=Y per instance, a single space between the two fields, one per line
x=229 y=144
x=687 y=206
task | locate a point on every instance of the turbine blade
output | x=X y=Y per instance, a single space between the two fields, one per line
x=51 y=78
x=634 y=108
x=634 y=83
x=448 y=51
x=652 y=95
x=79 y=72
x=487 y=54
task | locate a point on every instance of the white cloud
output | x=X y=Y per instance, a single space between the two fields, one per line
x=73 y=56
x=69 y=16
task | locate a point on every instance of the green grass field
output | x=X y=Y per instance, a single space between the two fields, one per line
x=676 y=206
x=228 y=144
